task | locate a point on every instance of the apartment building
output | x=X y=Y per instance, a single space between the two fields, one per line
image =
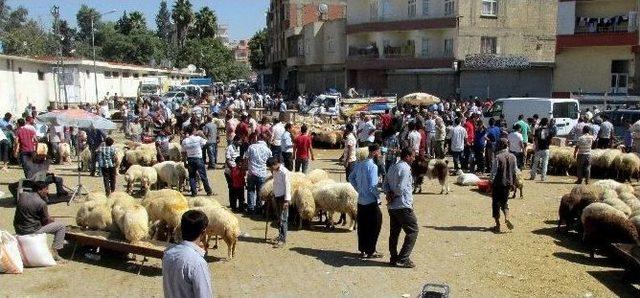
x=486 y=48
x=286 y=21
x=603 y=33
x=240 y=51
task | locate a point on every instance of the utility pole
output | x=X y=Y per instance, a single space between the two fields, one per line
x=55 y=11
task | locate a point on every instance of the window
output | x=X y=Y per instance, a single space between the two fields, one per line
x=136 y=75
x=448 y=47
x=107 y=74
x=490 y=8
x=411 y=10
x=40 y=75
x=331 y=47
x=449 y=7
x=115 y=74
x=424 y=50
x=386 y=9
x=565 y=110
x=87 y=72
x=126 y=74
x=144 y=75
x=8 y=64
x=488 y=45
x=425 y=7
x=373 y=10
x=20 y=70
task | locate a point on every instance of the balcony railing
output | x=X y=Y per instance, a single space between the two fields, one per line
x=598 y=28
x=401 y=51
x=370 y=51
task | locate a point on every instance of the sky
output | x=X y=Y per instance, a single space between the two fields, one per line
x=244 y=17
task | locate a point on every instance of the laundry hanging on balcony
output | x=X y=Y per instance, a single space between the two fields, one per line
x=593 y=24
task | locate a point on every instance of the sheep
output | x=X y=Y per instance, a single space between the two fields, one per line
x=628 y=167
x=224 y=224
x=636 y=222
x=604 y=162
x=65 y=153
x=203 y=202
x=618 y=204
x=133 y=174
x=631 y=200
x=432 y=169
x=165 y=206
x=95 y=214
x=304 y=203
x=135 y=223
x=149 y=178
x=604 y=224
x=42 y=149
x=337 y=197
x=518 y=184
x=171 y=173
x=317 y=175
x=85 y=159
x=175 y=152
x=561 y=160
x=143 y=155
x=573 y=204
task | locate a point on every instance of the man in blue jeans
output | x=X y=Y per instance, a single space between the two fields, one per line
x=192 y=145
x=282 y=195
x=210 y=130
x=256 y=157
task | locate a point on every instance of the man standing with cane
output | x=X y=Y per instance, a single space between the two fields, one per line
x=364 y=178
x=398 y=187
x=282 y=195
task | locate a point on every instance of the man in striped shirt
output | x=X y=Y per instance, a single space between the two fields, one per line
x=582 y=153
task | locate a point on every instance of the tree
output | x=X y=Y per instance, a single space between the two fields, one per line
x=28 y=40
x=211 y=55
x=133 y=22
x=66 y=35
x=16 y=19
x=183 y=17
x=206 y=23
x=257 y=49
x=163 y=22
x=123 y=24
x=84 y=17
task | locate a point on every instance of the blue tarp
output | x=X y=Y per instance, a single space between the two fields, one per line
x=201 y=81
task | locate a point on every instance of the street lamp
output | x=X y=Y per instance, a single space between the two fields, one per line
x=93 y=45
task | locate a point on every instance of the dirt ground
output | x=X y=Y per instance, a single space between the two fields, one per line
x=454 y=247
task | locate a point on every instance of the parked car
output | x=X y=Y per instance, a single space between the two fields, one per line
x=174 y=96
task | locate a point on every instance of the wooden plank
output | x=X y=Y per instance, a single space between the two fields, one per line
x=99 y=238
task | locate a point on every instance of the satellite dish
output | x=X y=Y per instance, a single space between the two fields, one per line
x=191 y=67
x=323 y=8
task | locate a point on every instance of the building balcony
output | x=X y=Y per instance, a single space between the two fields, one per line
x=397 y=62
x=597 y=39
x=295 y=61
x=403 y=25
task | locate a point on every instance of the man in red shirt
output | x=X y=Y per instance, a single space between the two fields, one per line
x=302 y=149
x=385 y=120
x=242 y=131
x=468 y=146
x=26 y=145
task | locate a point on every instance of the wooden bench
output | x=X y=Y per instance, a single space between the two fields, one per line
x=75 y=234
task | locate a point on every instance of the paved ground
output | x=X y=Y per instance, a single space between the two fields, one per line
x=454 y=247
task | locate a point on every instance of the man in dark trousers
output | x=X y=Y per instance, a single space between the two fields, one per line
x=364 y=178
x=503 y=175
x=398 y=187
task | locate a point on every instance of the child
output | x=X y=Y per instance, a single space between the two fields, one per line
x=236 y=193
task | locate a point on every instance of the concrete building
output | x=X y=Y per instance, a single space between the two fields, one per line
x=486 y=48
x=26 y=80
x=241 y=51
x=285 y=22
x=597 y=48
x=223 y=34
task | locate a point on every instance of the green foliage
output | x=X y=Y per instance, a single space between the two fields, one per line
x=216 y=59
x=66 y=35
x=206 y=24
x=257 y=49
x=183 y=17
x=130 y=23
x=163 y=22
x=28 y=40
x=84 y=17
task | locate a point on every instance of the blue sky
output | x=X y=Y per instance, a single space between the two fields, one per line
x=244 y=17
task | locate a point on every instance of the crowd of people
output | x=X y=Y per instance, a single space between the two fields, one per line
x=273 y=146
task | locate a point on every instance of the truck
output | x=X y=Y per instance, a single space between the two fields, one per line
x=334 y=104
x=151 y=86
x=205 y=84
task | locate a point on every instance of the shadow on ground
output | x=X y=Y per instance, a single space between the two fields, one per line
x=336 y=258
x=460 y=229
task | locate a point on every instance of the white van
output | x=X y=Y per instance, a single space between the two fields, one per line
x=564 y=110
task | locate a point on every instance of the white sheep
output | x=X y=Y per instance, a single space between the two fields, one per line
x=95 y=214
x=133 y=174
x=629 y=167
x=64 y=152
x=135 y=223
x=171 y=173
x=143 y=155
x=603 y=224
x=175 y=152
x=317 y=175
x=85 y=159
x=203 y=202
x=224 y=224
x=165 y=206
x=337 y=197
x=618 y=204
x=149 y=178
x=631 y=200
x=303 y=200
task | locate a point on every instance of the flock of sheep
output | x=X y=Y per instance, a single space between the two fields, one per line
x=605 y=212
x=605 y=163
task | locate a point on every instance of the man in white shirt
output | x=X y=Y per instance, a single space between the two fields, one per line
x=458 y=137
x=256 y=156
x=366 y=131
x=104 y=110
x=414 y=138
x=349 y=154
x=516 y=144
x=282 y=194
x=277 y=130
x=192 y=145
